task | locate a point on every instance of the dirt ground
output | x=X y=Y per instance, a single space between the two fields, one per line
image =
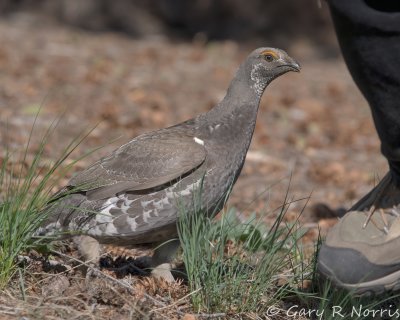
x=314 y=133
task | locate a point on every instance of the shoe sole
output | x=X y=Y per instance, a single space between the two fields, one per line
x=391 y=282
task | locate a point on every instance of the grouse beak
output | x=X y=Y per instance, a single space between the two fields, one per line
x=294 y=65
x=290 y=65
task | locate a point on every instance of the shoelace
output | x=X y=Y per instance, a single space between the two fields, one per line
x=395 y=211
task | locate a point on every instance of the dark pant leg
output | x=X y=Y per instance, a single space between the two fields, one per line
x=369 y=36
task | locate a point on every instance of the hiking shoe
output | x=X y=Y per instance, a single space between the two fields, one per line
x=362 y=251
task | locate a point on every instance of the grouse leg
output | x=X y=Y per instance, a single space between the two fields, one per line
x=162 y=258
x=89 y=250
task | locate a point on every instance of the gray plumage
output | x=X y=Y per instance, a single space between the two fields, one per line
x=130 y=197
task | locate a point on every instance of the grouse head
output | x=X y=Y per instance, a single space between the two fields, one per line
x=265 y=64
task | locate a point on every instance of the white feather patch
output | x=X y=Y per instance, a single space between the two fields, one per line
x=259 y=83
x=199 y=141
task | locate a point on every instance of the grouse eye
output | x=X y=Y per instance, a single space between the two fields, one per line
x=269 y=57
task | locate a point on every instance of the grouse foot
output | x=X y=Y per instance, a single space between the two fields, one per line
x=160 y=263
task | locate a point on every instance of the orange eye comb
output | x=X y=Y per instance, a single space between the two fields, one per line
x=269 y=52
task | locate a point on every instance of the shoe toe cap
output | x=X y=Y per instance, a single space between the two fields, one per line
x=348 y=266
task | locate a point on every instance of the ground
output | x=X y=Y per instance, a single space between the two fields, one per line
x=314 y=132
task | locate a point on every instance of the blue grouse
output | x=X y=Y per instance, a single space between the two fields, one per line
x=129 y=198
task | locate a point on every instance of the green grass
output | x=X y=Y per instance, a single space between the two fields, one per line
x=334 y=303
x=265 y=266
x=26 y=188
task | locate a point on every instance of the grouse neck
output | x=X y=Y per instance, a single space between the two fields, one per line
x=242 y=98
x=232 y=121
